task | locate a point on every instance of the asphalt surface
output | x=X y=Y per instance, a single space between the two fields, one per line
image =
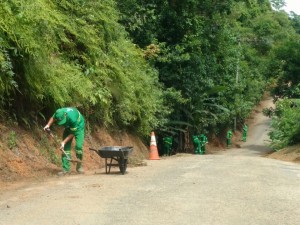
x=235 y=187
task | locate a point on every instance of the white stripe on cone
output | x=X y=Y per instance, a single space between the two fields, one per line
x=153 y=141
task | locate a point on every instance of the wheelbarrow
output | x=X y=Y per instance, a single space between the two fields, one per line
x=117 y=153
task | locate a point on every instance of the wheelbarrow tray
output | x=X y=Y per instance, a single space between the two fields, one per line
x=117 y=153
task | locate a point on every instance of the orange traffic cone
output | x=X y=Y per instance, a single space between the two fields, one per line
x=153 y=148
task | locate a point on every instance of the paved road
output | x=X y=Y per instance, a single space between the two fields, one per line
x=235 y=187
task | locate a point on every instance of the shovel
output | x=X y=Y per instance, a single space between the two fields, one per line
x=67 y=156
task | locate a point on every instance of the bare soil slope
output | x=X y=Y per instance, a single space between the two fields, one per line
x=33 y=155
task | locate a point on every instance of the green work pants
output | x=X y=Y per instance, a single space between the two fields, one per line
x=202 y=149
x=228 y=142
x=244 y=136
x=197 y=147
x=167 y=148
x=79 y=139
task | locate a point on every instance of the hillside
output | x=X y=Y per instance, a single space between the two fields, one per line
x=289 y=154
x=177 y=67
x=26 y=155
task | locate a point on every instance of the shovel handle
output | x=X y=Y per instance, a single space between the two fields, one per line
x=49 y=132
x=67 y=156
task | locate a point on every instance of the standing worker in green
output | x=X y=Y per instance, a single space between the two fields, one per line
x=73 y=121
x=204 y=141
x=167 y=141
x=197 y=144
x=228 y=137
x=245 y=130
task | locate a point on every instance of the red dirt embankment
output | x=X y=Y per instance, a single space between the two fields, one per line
x=29 y=155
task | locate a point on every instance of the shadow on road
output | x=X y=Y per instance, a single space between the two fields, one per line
x=259 y=149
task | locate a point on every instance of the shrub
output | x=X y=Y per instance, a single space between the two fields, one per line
x=285 y=126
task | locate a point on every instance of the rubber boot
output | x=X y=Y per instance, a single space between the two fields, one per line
x=79 y=168
x=62 y=173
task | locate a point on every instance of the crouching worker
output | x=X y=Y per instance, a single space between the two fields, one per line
x=245 y=130
x=228 y=138
x=167 y=141
x=197 y=144
x=73 y=122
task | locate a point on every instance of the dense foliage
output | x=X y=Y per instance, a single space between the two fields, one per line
x=74 y=53
x=286 y=58
x=180 y=67
x=284 y=131
x=220 y=56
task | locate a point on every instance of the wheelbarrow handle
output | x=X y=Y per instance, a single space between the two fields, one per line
x=92 y=149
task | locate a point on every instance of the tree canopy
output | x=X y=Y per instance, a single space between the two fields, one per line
x=141 y=65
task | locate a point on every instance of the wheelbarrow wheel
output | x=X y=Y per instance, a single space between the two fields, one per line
x=123 y=166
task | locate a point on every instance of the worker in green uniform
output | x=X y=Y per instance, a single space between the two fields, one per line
x=228 y=137
x=245 y=130
x=168 y=142
x=203 y=141
x=73 y=122
x=197 y=144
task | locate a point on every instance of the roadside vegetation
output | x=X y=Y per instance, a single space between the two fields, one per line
x=177 y=67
